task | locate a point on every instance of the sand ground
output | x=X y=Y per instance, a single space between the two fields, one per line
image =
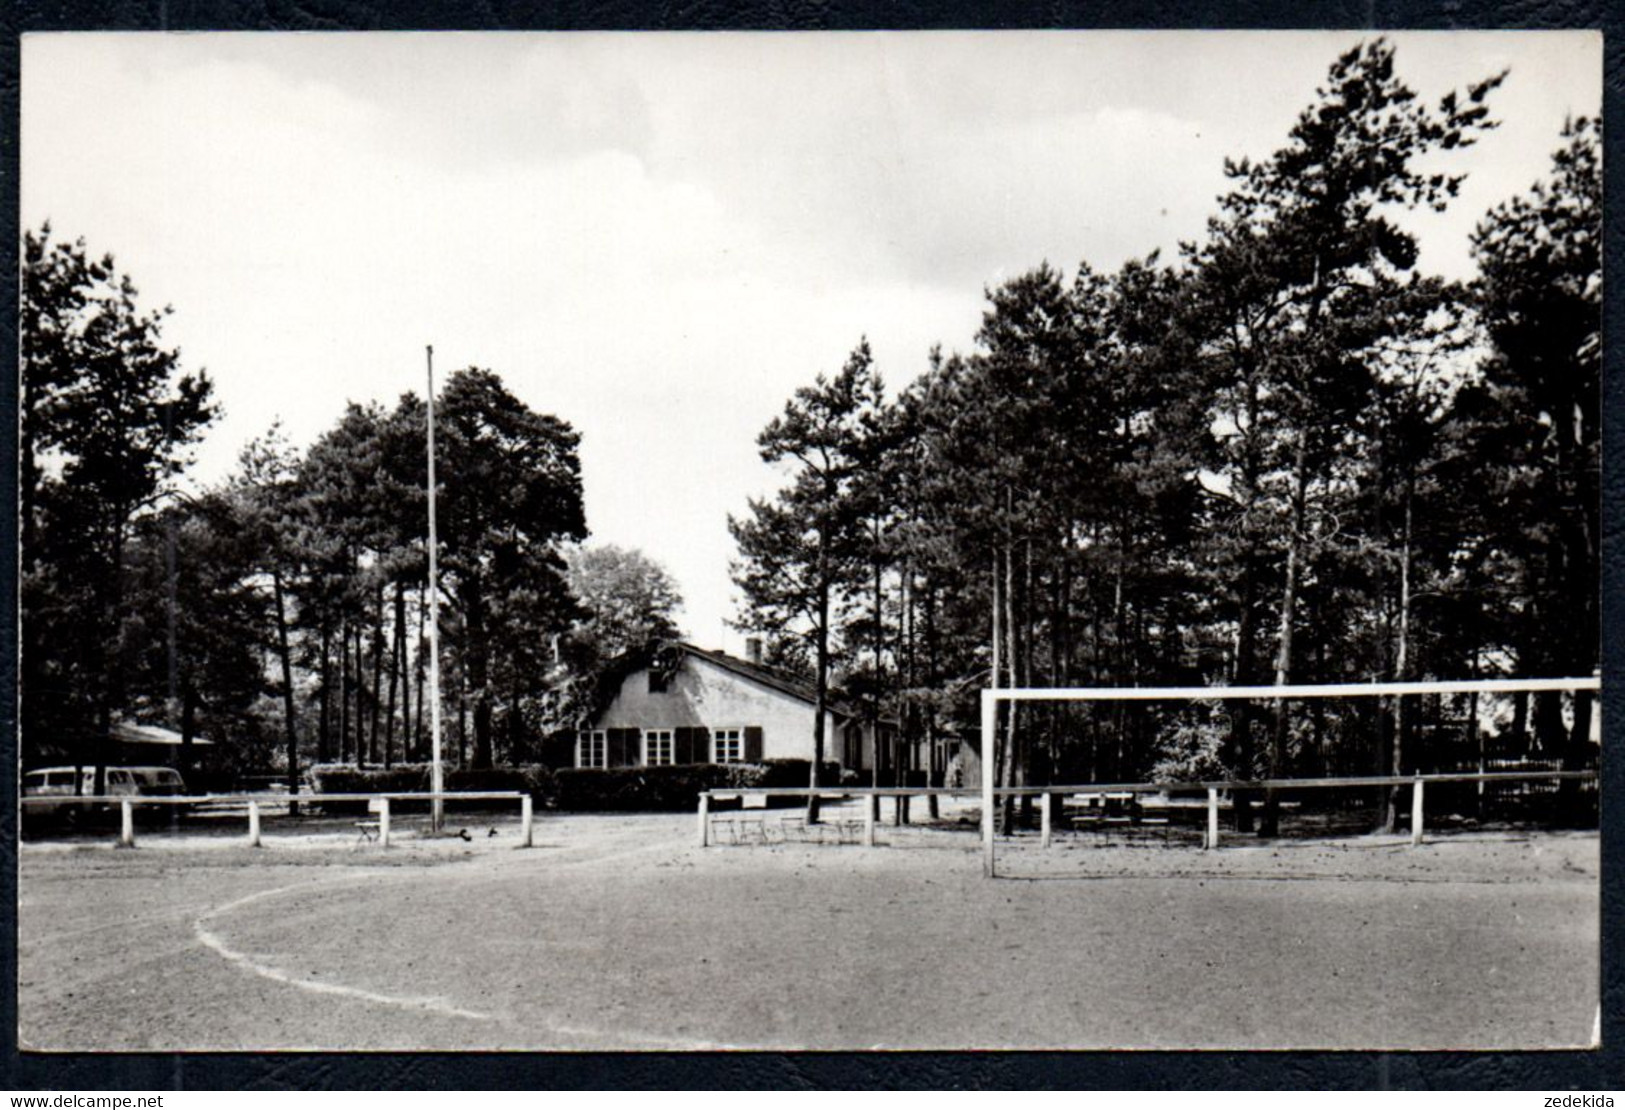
x=618 y=932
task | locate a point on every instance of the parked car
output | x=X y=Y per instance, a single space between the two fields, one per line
x=67 y=808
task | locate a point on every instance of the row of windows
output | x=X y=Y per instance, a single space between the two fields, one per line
x=659 y=747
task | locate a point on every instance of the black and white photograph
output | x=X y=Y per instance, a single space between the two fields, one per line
x=900 y=540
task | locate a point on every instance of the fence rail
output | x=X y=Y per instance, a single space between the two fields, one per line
x=279 y=799
x=377 y=803
x=1045 y=794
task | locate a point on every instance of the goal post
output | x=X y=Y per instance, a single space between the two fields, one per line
x=992 y=697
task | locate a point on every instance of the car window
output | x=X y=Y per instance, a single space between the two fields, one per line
x=120 y=777
x=59 y=778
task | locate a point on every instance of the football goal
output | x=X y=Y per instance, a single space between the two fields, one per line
x=1307 y=749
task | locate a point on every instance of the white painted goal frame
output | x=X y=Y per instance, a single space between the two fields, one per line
x=993 y=696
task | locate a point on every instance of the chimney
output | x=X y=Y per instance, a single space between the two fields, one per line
x=753 y=650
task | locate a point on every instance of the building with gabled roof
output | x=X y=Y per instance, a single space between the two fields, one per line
x=687 y=704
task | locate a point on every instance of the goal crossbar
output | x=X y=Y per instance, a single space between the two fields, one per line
x=1286 y=691
x=992 y=696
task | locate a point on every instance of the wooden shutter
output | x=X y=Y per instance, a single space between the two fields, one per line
x=753 y=744
x=625 y=747
x=693 y=745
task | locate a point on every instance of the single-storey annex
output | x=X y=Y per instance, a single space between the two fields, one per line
x=692 y=705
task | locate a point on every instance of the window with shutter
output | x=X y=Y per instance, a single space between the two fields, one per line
x=693 y=744
x=624 y=747
x=727 y=745
x=592 y=748
x=659 y=747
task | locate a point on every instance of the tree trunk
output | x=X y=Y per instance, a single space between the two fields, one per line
x=344 y=693
x=397 y=639
x=939 y=764
x=404 y=665
x=1402 y=663
x=188 y=721
x=462 y=720
x=1022 y=657
x=878 y=647
x=110 y=692
x=992 y=746
x=1549 y=732
x=478 y=672
x=375 y=701
x=821 y=695
x=908 y=712
x=418 y=742
x=1270 y=825
x=1011 y=734
x=290 y=722
x=358 y=683
x=323 y=736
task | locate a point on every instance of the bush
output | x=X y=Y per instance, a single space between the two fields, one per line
x=527 y=778
x=1192 y=748
x=678 y=787
x=411 y=778
x=347 y=778
x=794 y=772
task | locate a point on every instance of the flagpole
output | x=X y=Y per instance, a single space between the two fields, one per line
x=436 y=779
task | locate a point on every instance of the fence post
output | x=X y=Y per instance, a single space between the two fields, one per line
x=705 y=819
x=1044 y=818
x=1212 y=839
x=253 y=824
x=383 y=822
x=1416 y=812
x=870 y=804
x=126 y=833
x=527 y=822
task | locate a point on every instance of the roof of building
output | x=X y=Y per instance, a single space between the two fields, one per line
x=771 y=677
x=779 y=680
x=128 y=732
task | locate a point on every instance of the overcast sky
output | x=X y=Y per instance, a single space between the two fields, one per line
x=659 y=237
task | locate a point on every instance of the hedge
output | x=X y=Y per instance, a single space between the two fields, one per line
x=622 y=789
x=678 y=786
x=410 y=778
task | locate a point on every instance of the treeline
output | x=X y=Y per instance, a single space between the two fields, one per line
x=282 y=613
x=1286 y=456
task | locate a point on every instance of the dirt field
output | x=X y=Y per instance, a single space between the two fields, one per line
x=619 y=933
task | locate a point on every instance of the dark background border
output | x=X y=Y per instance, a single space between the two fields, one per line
x=1583 y=1071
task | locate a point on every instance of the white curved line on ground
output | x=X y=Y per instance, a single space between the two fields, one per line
x=209 y=940
x=435 y=1005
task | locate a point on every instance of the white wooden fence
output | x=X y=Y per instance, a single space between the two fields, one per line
x=378 y=804
x=1046 y=795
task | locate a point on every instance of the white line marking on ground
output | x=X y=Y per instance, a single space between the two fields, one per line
x=209 y=940
x=635 y=1040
